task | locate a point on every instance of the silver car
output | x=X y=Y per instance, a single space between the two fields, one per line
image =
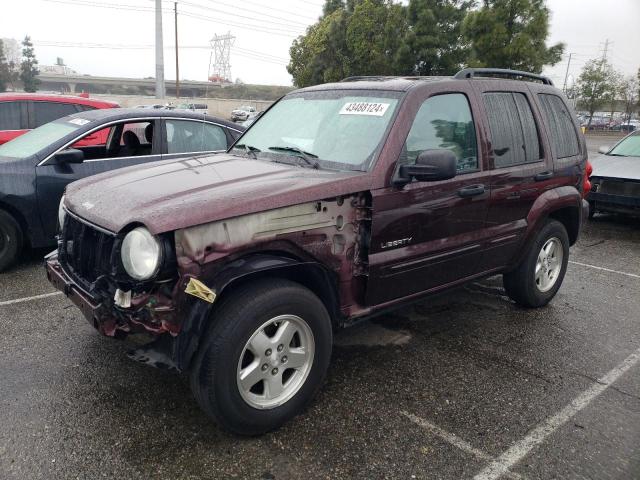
x=616 y=178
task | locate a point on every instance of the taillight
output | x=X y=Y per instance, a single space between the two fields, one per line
x=586 y=183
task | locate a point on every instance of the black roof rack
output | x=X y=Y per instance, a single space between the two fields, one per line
x=382 y=78
x=500 y=72
x=374 y=78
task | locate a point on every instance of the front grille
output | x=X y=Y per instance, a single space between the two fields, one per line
x=86 y=252
x=619 y=187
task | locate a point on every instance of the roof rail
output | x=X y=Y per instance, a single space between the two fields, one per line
x=366 y=77
x=500 y=72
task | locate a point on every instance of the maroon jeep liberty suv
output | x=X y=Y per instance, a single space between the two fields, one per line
x=342 y=201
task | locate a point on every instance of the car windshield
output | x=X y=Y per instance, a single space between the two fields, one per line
x=339 y=129
x=629 y=147
x=35 y=140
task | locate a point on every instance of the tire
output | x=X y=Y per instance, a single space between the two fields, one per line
x=522 y=285
x=247 y=318
x=10 y=240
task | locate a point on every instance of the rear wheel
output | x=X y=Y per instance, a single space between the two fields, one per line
x=10 y=240
x=539 y=276
x=264 y=358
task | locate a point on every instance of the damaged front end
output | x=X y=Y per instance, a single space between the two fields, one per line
x=323 y=243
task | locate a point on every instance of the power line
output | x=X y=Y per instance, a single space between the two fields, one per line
x=258 y=28
x=271 y=31
x=279 y=19
x=118 y=46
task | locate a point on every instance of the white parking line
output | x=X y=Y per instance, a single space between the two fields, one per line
x=447 y=436
x=28 y=299
x=501 y=465
x=632 y=275
x=454 y=440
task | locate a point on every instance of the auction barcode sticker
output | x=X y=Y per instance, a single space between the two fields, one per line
x=79 y=121
x=364 y=108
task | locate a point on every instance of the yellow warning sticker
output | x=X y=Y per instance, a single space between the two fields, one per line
x=200 y=290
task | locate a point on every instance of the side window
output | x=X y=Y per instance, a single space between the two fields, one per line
x=444 y=122
x=185 y=136
x=46 y=112
x=10 y=116
x=514 y=135
x=563 y=134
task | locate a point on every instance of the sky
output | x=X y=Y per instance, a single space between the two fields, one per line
x=116 y=37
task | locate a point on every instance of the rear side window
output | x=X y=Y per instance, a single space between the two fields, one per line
x=46 y=112
x=185 y=136
x=444 y=122
x=514 y=135
x=10 y=116
x=564 y=140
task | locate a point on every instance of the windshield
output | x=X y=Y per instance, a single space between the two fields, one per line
x=32 y=142
x=629 y=147
x=342 y=129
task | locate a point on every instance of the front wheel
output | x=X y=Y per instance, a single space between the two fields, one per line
x=539 y=276
x=264 y=358
x=10 y=240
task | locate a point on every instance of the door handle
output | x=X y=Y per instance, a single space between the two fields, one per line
x=541 y=177
x=471 y=191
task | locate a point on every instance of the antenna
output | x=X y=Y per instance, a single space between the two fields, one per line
x=221 y=47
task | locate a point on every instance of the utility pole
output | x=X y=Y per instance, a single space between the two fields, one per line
x=160 y=90
x=566 y=75
x=605 y=51
x=175 y=10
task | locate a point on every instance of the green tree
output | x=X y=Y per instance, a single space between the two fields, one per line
x=331 y=6
x=360 y=37
x=320 y=55
x=628 y=92
x=374 y=35
x=5 y=73
x=597 y=85
x=433 y=43
x=511 y=34
x=29 y=67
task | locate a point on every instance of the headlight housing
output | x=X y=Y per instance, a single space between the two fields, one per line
x=141 y=254
x=61 y=214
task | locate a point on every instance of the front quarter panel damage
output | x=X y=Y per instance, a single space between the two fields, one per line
x=331 y=232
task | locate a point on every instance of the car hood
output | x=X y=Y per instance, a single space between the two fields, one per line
x=170 y=195
x=617 y=167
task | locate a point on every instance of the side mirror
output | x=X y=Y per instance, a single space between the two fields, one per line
x=430 y=166
x=604 y=149
x=70 y=155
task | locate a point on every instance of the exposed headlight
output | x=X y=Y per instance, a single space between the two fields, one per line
x=61 y=214
x=141 y=254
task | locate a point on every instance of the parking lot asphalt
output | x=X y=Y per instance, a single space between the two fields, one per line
x=463 y=386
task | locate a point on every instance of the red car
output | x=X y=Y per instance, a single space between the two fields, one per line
x=21 y=112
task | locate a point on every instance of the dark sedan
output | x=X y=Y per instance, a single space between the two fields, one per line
x=36 y=167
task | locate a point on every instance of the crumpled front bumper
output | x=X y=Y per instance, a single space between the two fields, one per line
x=153 y=313
x=91 y=308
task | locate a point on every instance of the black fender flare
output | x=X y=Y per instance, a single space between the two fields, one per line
x=312 y=274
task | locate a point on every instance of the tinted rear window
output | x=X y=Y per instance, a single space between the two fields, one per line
x=46 y=112
x=10 y=118
x=564 y=140
x=514 y=135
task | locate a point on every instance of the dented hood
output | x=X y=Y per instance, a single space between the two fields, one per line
x=170 y=195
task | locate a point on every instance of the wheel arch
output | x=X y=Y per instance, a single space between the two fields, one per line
x=19 y=218
x=563 y=204
x=246 y=269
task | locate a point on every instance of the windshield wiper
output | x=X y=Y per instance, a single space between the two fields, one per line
x=250 y=150
x=306 y=156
